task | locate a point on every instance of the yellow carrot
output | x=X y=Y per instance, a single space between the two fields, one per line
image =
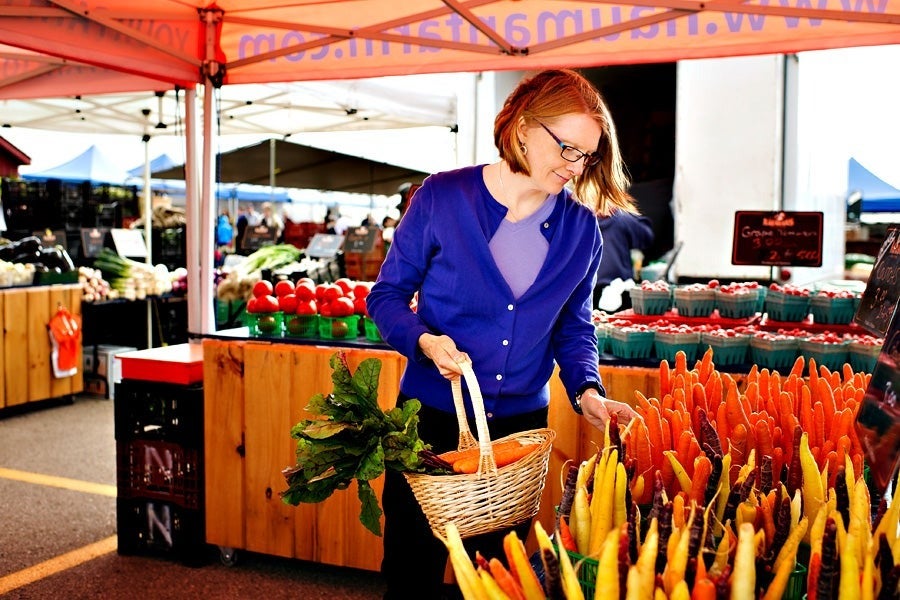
x=493 y=590
x=678 y=560
x=788 y=552
x=849 y=585
x=602 y=503
x=743 y=578
x=521 y=567
x=680 y=591
x=684 y=481
x=646 y=562
x=606 y=586
x=580 y=523
x=813 y=490
x=467 y=578
x=632 y=583
x=620 y=511
x=570 y=583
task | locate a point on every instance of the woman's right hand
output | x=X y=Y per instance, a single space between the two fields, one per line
x=443 y=353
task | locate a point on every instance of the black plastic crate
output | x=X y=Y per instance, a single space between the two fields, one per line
x=159 y=411
x=154 y=469
x=154 y=527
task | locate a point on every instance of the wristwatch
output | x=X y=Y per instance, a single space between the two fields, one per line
x=590 y=385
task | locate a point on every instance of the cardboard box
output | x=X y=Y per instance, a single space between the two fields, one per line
x=102 y=362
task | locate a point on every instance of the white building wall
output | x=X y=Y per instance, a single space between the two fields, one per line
x=727 y=157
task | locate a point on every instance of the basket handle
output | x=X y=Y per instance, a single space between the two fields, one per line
x=486 y=463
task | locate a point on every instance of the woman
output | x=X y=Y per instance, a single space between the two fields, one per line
x=503 y=258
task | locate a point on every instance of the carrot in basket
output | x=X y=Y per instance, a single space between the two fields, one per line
x=503 y=455
x=454 y=455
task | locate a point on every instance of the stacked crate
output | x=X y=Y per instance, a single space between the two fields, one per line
x=159 y=464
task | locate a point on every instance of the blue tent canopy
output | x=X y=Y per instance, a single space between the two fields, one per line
x=91 y=165
x=877 y=195
x=163 y=161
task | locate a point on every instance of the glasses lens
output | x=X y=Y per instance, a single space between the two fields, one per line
x=571 y=154
x=591 y=160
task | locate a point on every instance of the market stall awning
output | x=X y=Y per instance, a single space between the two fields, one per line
x=305 y=167
x=876 y=194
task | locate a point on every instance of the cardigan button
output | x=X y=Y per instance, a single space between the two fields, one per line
x=499 y=377
x=509 y=307
x=546 y=225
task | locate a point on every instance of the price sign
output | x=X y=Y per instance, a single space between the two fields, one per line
x=360 y=240
x=777 y=238
x=324 y=245
x=879 y=300
x=258 y=236
x=129 y=243
x=93 y=239
x=878 y=420
x=50 y=238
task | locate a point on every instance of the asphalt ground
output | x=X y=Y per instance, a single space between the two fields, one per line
x=58 y=535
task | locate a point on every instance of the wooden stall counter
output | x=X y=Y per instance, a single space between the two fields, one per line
x=27 y=372
x=255 y=391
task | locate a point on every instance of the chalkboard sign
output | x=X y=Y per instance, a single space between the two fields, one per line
x=879 y=300
x=258 y=236
x=324 y=245
x=878 y=419
x=361 y=240
x=50 y=238
x=93 y=239
x=777 y=238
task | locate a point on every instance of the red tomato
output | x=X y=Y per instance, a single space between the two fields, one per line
x=359 y=306
x=306 y=307
x=345 y=284
x=361 y=290
x=251 y=305
x=267 y=304
x=342 y=307
x=305 y=290
x=263 y=288
x=288 y=303
x=283 y=288
x=332 y=292
x=325 y=309
x=320 y=291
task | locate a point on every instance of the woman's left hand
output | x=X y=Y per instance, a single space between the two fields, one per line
x=597 y=409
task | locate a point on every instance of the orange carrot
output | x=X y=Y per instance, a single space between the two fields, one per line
x=734 y=409
x=847 y=371
x=713 y=388
x=777 y=462
x=812 y=576
x=827 y=402
x=454 y=455
x=739 y=448
x=665 y=384
x=817 y=435
x=705 y=367
x=797 y=369
x=722 y=427
x=643 y=405
x=680 y=363
x=503 y=455
x=765 y=390
x=654 y=433
x=505 y=580
x=683 y=450
x=702 y=470
x=763 y=437
x=565 y=535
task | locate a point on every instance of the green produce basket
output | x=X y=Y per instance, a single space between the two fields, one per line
x=631 y=344
x=301 y=326
x=371 y=330
x=831 y=356
x=786 y=307
x=695 y=303
x=339 y=328
x=586 y=570
x=650 y=302
x=736 y=305
x=265 y=324
x=863 y=357
x=667 y=345
x=774 y=354
x=832 y=311
x=727 y=350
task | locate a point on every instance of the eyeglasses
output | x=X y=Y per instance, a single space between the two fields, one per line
x=571 y=153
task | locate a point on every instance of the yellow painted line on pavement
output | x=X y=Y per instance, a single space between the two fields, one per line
x=101 y=489
x=53 y=566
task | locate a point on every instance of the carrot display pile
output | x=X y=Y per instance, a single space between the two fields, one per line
x=701 y=413
x=736 y=487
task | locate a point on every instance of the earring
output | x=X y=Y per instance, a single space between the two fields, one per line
x=523 y=148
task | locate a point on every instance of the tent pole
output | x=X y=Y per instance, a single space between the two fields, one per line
x=148 y=230
x=207 y=216
x=192 y=211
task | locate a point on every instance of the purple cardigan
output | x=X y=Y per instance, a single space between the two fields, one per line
x=440 y=249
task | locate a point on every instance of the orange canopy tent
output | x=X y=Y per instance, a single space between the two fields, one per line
x=82 y=47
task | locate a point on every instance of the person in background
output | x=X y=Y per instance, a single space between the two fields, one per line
x=272 y=220
x=623 y=231
x=406 y=191
x=503 y=258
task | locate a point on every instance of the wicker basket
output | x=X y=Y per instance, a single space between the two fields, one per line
x=491 y=499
